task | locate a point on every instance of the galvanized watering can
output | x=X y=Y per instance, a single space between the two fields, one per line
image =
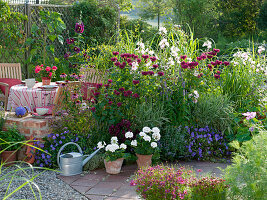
x=72 y=163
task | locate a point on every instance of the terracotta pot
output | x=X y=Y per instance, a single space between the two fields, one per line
x=144 y=161
x=113 y=167
x=9 y=157
x=46 y=80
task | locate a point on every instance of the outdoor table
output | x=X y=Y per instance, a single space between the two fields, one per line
x=20 y=95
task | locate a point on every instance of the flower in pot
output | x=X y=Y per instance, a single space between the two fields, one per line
x=145 y=145
x=10 y=142
x=46 y=73
x=114 y=155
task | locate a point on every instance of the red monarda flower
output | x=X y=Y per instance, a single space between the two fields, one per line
x=218 y=62
x=226 y=63
x=183 y=57
x=210 y=67
x=199 y=58
x=161 y=73
x=115 y=53
x=93 y=109
x=216 y=50
x=117 y=63
x=155 y=66
x=114 y=59
x=153 y=58
x=218 y=72
x=99 y=85
x=151 y=73
x=213 y=63
x=209 y=56
x=121 y=89
x=217 y=76
x=145 y=56
x=135 y=82
x=119 y=104
x=144 y=73
x=136 y=95
x=109 y=81
x=129 y=60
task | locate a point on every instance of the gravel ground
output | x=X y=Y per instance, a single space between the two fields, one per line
x=50 y=186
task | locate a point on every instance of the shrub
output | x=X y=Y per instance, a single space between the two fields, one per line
x=209 y=188
x=11 y=140
x=205 y=144
x=214 y=110
x=248 y=174
x=161 y=182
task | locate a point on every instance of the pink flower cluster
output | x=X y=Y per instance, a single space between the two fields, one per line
x=45 y=71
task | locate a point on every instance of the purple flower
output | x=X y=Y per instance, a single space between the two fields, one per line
x=54 y=137
x=70 y=40
x=60 y=142
x=79 y=27
x=115 y=53
x=249 y=115
x=41 y=165
x=114 y=59
x=251 y=129
x=201 y=130
x=76 y=49
x=67 y=55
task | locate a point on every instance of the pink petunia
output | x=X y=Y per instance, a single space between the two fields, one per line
x=54 y=68
x=48 y=69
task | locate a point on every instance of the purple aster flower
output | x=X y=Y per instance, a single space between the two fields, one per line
x=217 y=137
x=251 y=129
x=48 y=156
x=57 y=135
x=63 y=137
x=201 y=130
x=60 y=142
x=54 y=137
x=79 y=27
x=41 y=165
x=53 y=148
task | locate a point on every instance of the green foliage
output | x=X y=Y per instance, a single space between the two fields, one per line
x=43 y=36
x=96 y=162
x=172 y=143
x=214 y=110
x=262 y=18
x=10 y=139
x=2 y=119
x=247 y=175
x=238 y=17
x=99 y=21
x=200 y=15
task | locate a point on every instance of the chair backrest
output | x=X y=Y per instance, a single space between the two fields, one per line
x=10 y=70
x=92 y=75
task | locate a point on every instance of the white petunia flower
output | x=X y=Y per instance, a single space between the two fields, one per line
x=155 y=130
x=129 y=134
x=146 y=129
x=154 y=144
x=114 y=140
x=142 y=134
x=101 y=145
x=123 y=146
x=147 y=138
x=163 y=43
x=156 y=136
x=134 y=143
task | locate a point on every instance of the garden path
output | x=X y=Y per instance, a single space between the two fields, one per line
x=98 y=185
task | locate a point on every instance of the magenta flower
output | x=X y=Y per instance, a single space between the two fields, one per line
x=216 y=50
x=150 y=73
x=218 y=72
x=67 y=55
x=117 y=92
x=106 y=85
x=218 y=62
x=114 y=59
x=210 y=67
x=135 y=82
x=76 y=49
x=203 y=56
x=99 y=85
x=115 y=53
x=117 y=63
x=136 y=95
x=138 y=60
x=121 y=89
x=96 y=94
x=153 y=58
x=183 y=57
x=226 y=63
x=144 y=73
x=110 y=102
x=109 y=81
x=119 y=104
x=251 y=129
x=249 y=115
x=145 y=56
x=93 y=109
x=217 y=76
x=199 y=58
x=213 y=63
x=70 y=40
x=155 y=66
x=79 y=27
x=129 y=60
x=161 y=73
x=209 y=56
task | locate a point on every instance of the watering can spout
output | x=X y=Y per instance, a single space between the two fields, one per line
x=90 y=156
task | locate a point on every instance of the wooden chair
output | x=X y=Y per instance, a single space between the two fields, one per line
x=91 y=76
x=12 y=71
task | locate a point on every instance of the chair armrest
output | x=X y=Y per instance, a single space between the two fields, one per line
x=6 y=87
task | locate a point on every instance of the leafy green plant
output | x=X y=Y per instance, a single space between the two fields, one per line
x=214 y=110
x=12 y=135
x=2 y=119
x=248 y=173
x=43 y=36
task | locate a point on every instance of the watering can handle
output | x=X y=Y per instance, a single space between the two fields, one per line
x=61 y=149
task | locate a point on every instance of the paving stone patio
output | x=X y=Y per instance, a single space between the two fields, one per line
x=98 y=185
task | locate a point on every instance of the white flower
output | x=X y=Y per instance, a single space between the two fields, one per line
x=146 y=129
x=196 y=94
x=163 y=43
x=114 y=140
x=112 y=147
x=156 y=136
x=162 y=30
x=101 y=145
x=147 y=138
x=151 y=52
x=195 y=100
x=123 y=146
x=141 y=45
x=135 y=65
x=196 y=73
x=207 y=44
x=154 y=144
x=171 y=62
x=261 y=49
x=155 y=130
x=129 y=134
x=142 y=134
x=134 y=143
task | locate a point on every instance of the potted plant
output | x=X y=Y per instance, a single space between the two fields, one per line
x=114 y=155
x=145 y=145
x=9 y=144
x=46 y=73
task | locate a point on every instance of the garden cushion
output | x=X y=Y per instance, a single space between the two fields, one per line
x=10 y=81
x=85 y=86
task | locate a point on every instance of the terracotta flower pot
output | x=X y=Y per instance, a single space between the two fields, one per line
x=144 y=161
x=113 y=167
x=9 y=157
x=46 y=80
